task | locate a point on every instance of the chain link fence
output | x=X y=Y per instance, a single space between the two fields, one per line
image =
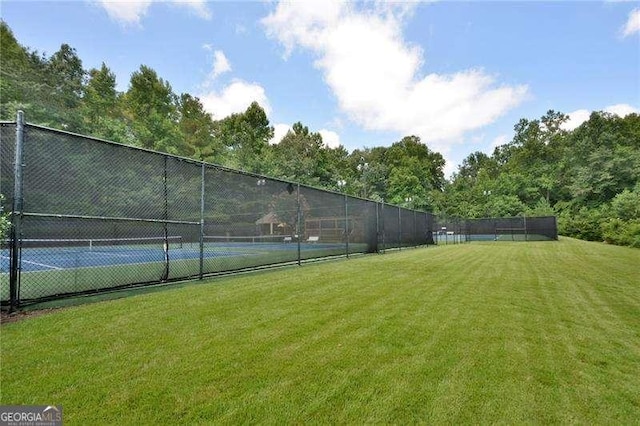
x=519 y=228
x=450 y=230
x=89 y=215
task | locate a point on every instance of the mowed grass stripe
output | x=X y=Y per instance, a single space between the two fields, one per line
x=475 y=333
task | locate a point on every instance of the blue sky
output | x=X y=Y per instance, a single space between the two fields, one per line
x=457 y=74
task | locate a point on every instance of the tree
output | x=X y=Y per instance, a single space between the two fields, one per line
x=66 y=76
x=247 y=136
x=4 y=220
x=102 y=108
x=406 y=189
x=414 y=172
x=367 y=173
x=473 y=165
x=100 y=96
x=151 y=106
x=300 y=157
x=16 y=85
x=48 y=89
x=198 y=131
x=426 y=165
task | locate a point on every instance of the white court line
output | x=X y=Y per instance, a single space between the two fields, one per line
x=36 y=263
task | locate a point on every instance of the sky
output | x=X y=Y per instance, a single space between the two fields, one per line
x=457 y=74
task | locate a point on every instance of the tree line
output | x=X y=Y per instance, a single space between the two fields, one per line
x=588 y=177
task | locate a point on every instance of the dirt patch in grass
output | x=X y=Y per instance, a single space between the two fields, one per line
x=6 y=317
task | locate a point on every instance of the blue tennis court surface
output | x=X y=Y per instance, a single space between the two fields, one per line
x=60 y=258
x=51 y=259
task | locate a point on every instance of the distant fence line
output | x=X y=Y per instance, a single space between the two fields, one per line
x=89 y=215
x=519 y=228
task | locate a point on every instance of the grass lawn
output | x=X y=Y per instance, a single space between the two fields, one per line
x=540 y=332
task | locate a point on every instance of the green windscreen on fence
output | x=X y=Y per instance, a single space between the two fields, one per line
x=92 y=215
x=97 y=215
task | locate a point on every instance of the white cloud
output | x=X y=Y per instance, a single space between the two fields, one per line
x=234 y=98
x=131 y=12
x=498 y=141
x=220 y=64
x=330 y=138
x=633 y=23
x=199 y=7
x=450 y=168
x=126 y=12
x=622 y=110
x=376 y=75
x=279 y=131
x=576 y=118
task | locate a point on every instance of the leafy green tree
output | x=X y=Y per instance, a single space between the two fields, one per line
x=367 y=173
x=584 y=224
x=300 y=157
x=626 y=205
x=150 y=104
x=505 y=206
x=426 y=165
x=408 y=169
x=607 y=171
x=623 y=223
x=66 y=79
x=198 y=131
x=476 y=164
x=100 y=96
x=405 y=189
x=17 y=84
x=246 y=135
x=541 y=208
x=102 y=108
x=4 y=220
x=28 y=83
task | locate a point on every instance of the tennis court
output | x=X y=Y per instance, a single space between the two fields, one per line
x=51 y=267
x=59 y=254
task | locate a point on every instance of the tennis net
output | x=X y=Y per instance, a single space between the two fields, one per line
x=247 y=239
x=103 y=244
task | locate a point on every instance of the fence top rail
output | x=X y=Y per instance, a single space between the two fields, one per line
x=106 y=218
x=507 y=218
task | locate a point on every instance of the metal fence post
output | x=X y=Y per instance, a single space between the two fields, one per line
x=416 y=241
x=399 y=228
x=383 y=228
x=16 y=217
x=202 y=220
x=377 y=228
x=298 y=219
x=346 y=223
x=427 y=229
x=165 y=228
